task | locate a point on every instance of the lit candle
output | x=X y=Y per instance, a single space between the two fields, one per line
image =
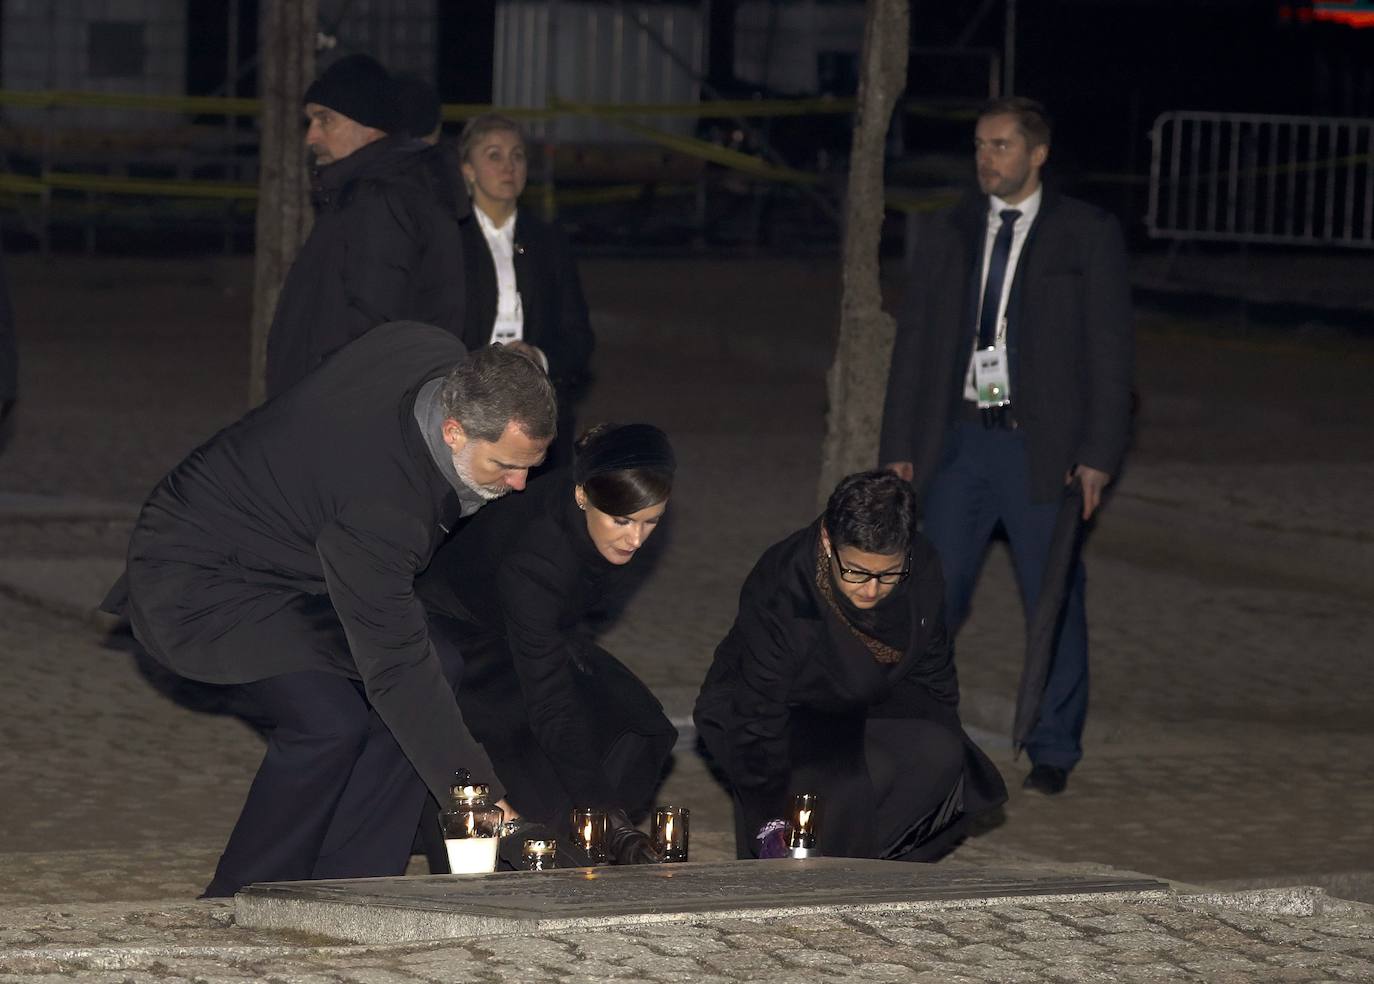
x=540 y=855
x=472 y=830
x=670 y=832
x=471 y=855
x=589 y=833
x=801 y=839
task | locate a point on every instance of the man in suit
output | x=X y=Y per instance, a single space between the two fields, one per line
x=1010 y=379
x=278 y=560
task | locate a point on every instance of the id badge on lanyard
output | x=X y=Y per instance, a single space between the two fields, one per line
x=510 y=324
x=991 y=378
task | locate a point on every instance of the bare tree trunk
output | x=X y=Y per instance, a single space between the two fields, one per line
x=286 y=41
x=858 y=375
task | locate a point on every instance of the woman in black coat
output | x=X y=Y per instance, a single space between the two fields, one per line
x=565 y=723
x=520 y=276
x=837 y=679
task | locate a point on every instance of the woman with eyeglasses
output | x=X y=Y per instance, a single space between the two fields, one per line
x=564 y=723
x=837 y=679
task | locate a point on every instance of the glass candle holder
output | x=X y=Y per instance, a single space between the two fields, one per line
x=540 y=855
x=670 y=832
x=803 y=826
x=472 y=828
x=589 y=833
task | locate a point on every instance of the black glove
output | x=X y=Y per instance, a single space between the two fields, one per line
x=626 y=843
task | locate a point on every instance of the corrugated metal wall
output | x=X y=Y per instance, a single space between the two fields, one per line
x=401 y=34
x=590 y=52
x=125 y=46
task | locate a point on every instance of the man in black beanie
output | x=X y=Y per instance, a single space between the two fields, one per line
x=385 y=243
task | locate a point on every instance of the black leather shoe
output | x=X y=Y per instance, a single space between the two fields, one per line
x=1046 y=779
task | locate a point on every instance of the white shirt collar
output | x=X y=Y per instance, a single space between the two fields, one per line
x=1028 y=209
x=505 y=230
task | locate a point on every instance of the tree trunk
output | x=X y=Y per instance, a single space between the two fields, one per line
x=286 y=43
x=858 y=376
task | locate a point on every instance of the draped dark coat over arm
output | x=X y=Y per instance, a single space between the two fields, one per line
x=1070 y=342
x=290 y=541
x=780 y=695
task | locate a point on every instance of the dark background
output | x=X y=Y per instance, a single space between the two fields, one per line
x=1105 y=68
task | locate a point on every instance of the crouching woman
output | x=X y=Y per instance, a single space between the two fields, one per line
x=837 y=678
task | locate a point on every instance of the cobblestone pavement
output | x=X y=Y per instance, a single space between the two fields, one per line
x=1230 y=606
x=1066 y=943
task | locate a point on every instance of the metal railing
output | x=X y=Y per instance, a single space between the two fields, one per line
x=1258 y=178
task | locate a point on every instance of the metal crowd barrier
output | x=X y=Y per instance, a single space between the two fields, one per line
x=1259 y=178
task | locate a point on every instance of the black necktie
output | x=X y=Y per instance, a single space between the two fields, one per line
x=997 y=272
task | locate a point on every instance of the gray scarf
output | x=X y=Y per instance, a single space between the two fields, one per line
x=429 y=414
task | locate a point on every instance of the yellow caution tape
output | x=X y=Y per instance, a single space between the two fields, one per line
x=225 y=106
x=609 y=195
x=703 y=149
x=127 y=100
x=21 y=184
x=899 y=201
x=151 y=187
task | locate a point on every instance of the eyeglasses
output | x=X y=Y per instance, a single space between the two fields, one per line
x=854 y=575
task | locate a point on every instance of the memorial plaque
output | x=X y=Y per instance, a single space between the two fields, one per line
x=393 y=910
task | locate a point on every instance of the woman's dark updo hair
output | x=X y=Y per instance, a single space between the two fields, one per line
x=872 y=511
x=624 y=469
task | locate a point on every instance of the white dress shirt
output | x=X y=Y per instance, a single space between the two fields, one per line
x=510 y=315
x=1029 y=209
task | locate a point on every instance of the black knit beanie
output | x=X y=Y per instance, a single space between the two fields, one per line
x=359 y=88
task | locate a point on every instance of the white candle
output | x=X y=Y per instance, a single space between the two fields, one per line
x=471 y=855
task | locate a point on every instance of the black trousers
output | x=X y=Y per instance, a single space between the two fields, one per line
x=334 y=797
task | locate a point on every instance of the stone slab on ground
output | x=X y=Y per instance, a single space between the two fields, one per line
x=396 y=910
x=71 y=586
x=32 y=506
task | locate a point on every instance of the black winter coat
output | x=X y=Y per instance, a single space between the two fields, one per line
x=780 y=694
x=555 y=309
x=516 y=584
x=384 y=247
x=1070 y=342
x=290 y=541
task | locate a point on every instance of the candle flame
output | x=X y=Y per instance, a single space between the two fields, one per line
x=472 y=824
x=587 y=833
x=804 y=819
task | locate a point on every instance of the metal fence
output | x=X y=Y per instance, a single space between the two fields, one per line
x=1257 y=178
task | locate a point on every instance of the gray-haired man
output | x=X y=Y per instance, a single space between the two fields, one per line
x=278 y=559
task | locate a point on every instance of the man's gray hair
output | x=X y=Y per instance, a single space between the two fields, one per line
x=497 y=386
